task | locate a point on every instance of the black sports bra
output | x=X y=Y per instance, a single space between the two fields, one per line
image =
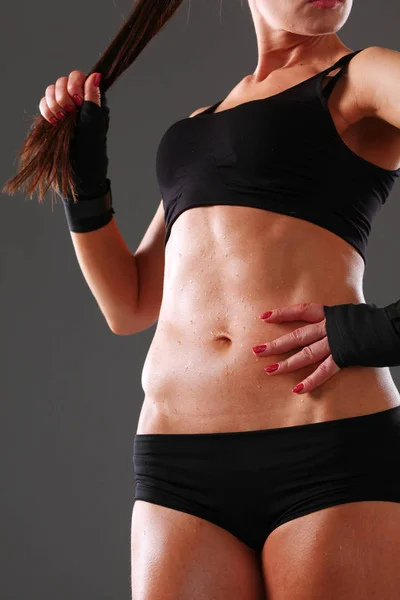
x=282 y=153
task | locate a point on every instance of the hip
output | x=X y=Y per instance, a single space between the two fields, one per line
x=221 y=398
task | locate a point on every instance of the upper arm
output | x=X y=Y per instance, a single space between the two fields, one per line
x=376 y=76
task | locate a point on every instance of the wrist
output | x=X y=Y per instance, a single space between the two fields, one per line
x=89 y=213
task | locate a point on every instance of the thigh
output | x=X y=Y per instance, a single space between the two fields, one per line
x=350 y=551
x=178 y=556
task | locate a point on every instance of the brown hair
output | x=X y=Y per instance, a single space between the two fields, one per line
x=44 y=155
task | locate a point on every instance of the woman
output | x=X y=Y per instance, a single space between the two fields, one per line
x=247 y=486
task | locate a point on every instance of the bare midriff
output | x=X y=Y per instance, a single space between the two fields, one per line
x=224 y=267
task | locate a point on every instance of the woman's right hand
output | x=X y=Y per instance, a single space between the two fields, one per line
x=88 y=146
x=68 y=95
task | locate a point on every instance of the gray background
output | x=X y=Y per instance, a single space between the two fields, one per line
x=70 y=388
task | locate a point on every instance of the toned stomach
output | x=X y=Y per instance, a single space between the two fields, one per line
x=224 y=266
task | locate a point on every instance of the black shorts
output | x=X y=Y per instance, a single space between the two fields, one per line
x=251 y=482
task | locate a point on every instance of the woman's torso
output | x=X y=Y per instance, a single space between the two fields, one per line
x=224 y=266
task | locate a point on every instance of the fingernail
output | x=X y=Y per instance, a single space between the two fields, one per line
x=271 y=368
x=266 y=315
x=78 y=99
x=53 y=121
x=97 y=80
x=258 y=349
x=298 y=388
x=61 y=114
x=69 y=108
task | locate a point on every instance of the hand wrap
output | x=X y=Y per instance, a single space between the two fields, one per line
x=364 y=335
x=89 y=160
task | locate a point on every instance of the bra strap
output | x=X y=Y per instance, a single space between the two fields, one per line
x=327 y=90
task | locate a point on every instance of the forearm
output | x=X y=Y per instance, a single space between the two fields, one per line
x=110 y=270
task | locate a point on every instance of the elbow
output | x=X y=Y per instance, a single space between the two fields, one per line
x=121 y=330
x=127 y=326
x=134 y=323
x=132 y=329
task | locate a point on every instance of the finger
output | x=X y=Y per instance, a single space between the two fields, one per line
x=91 y=90
x=76 y=86
x=303 y=336
x=325 y=371
x=56 y=110
x=305 y=311
x=306 y=357
x=46 y=112
x=62 y=96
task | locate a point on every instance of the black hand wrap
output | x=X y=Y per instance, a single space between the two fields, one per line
x=89 y=160
x=364 y=335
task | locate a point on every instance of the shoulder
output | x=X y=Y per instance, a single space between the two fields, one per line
x=374 y=74
x=375 y=54
x=373 y=62
x=199 y=110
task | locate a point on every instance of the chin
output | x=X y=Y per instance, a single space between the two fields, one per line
x=319 y=28
x=302 y=18
x=325 y=21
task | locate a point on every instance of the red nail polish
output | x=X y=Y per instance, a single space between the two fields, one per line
x=61 y=114
x=78 y=99
x=298 y=388
x=97 y=80
x=258 y=349
x=266 y=315
x=69 y=108
x=272 y=368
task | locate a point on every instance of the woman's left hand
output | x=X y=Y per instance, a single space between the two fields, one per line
x=312 y=338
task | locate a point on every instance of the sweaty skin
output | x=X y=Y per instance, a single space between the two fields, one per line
x=225 y=266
